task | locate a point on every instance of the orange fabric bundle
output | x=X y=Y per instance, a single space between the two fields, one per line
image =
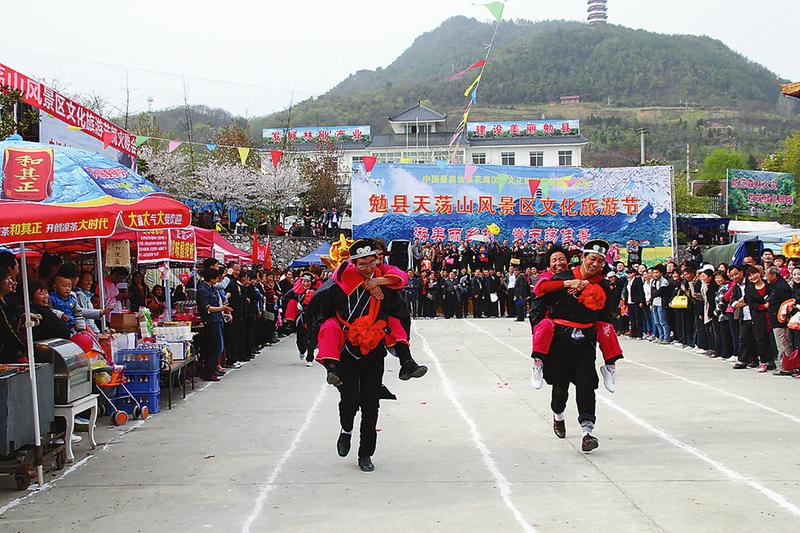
x=366 y=334
x=593 y=297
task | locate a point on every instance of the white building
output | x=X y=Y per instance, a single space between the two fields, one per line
x=419 y=135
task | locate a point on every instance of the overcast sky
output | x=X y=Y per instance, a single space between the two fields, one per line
x=252 y=57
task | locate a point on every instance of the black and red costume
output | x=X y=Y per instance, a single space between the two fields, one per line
x=580 y=322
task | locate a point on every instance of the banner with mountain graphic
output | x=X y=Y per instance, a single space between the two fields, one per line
x=460 y=202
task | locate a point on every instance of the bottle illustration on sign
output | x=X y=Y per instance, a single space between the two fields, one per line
x=28 y=174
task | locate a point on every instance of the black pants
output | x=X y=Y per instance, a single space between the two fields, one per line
x=477 y=306
x=572 y=362
x=360 y=388
x=636 y=318
x=464 y=304
x=213 y=345
x=503 y=300
x=490 y=307
x=521 y=307
x=722 y=339
x=305 y=344
x=452 y=307
x=753 y=343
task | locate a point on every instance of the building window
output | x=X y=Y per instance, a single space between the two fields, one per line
x=565 y=158
x=537 y=159
x=358 y=159
x=507 y=158
x=478 y=159
x=421 y=129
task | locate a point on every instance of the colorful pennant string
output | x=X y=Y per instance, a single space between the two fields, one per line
x=173 y=145
x=276 y=157
x=243 y=153
x=211 y=147
x=477 y=64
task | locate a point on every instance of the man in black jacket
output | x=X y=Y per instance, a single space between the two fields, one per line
x=633 y=292
x=779 y=291
x=478 y=291
x=522 y=295
x=451 y=291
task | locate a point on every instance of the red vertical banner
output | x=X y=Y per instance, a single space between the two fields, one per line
x=182 y=245
x=256 y=248
x=28 y=173
x=268 y=256
x=152 y=246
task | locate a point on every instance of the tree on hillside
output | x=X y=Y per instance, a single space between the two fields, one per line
x=717 y=163
x=325 y=185
x=709 y=188
x=236 y=136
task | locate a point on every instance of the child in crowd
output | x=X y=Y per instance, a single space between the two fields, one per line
x=63 y=301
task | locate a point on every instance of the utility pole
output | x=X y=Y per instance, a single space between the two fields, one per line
x=688 y=164
x=642 y=133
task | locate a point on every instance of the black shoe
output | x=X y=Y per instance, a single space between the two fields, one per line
x=332 y=378
x=753 y=364
x=410 y=369
x=343 y=444
x=365 y=464
x=739 y=366
x=218 y=373
x=771 y=366
x=386 y=394
x=588 y=443
x=559 y=428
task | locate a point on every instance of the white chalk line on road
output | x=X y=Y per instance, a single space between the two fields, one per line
x=729 y=472
x=717 y=390
x=269 y=484
x=732 y=474
x=502 y=482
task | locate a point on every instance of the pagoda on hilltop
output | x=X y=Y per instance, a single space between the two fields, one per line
x=598 y=12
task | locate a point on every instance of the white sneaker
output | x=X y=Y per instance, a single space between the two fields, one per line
x=609 y=377
x=238 y=364
x=537 y=375
x=309 y=363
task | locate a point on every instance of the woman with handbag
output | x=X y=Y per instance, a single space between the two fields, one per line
x=753 y=340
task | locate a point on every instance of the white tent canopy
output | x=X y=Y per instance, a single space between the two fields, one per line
x=756 y=226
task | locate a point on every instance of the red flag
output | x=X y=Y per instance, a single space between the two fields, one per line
x=108 y=138
x=268 y=256
x=533 y=184
x=369 y=162
x=477 y=64
x=276 y=157
x=255 y=247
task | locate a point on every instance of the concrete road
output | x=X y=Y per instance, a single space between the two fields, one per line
x=686 y=444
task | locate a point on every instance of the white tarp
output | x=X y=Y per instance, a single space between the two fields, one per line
x=756 y=226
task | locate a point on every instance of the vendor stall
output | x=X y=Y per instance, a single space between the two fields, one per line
x=53 y=193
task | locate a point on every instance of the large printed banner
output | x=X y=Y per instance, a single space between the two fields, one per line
x=51 y=101
x=525 y=128
x=760 y=194
x=312 y=134
x=166 y=245
x=530 y=204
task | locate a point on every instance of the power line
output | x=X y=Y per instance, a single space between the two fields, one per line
x=173 y=75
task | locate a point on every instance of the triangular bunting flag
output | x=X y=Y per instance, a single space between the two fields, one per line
x=469 y=171
x=502 y=179
x=369 y=162
x=243 y=153
x=496 y=9
x=173 y=145
x=477 y=64
x=74 y=128
x=473 y=85
x=211 y=147
x=276 y=157
x=533 y=185
x=141 y=139
x=474 y=95
x=108 y=138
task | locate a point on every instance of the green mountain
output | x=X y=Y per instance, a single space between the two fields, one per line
x=684 y=88
x=536 y=63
